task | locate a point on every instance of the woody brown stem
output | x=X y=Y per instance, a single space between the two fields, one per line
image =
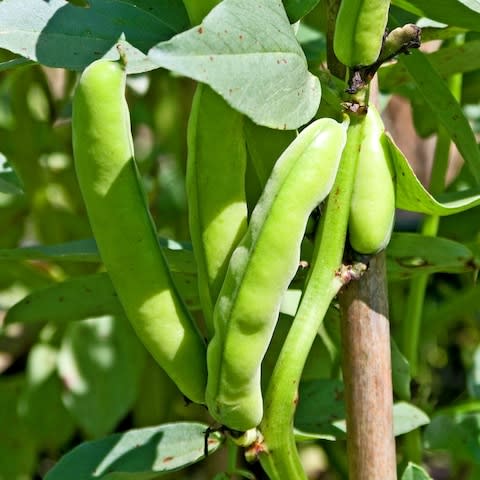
x=367 y=375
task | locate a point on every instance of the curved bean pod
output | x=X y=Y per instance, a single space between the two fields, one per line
x=215 y=185
x=124 y=230
x=260 y=270
x=359 y=31
x=372 y=207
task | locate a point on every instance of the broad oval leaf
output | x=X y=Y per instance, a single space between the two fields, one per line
x=62 y=35
x=247 y=52
x=414 y=472
x=144 y=453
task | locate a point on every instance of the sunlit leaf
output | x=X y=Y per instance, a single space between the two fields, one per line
x=247 y=52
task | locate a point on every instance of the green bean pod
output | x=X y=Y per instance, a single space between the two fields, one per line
x=124 y=230
x=359 y=31
x=373 y=199
x=215 y=185
x=260 y=270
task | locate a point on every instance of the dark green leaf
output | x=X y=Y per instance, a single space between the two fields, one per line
x=411 y=254
x=63 y=35
x=9 y=181
x=456 y=432
x=321 y=405
x=17 y=448
x=297 y=9
x=247 y=52
x=473 y=378
x=137 y=454
x=179 y=255
x=446 y=61
x=464 y=13
x=439 y=317
x=321 y=412
x=400 y=373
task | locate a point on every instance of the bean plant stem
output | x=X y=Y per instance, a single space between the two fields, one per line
x=367 y=375
x=280 y=457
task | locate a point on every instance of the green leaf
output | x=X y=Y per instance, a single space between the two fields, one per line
x=446 y=108
x=412 y=196
x=155 y=402
x=446 y=61
x=414 y=472
x=63 y=35
x=400 y=372
x=461 y=304
x=473 y=377
x=40 y=405
x=321 y=405
x=456 y=432
x=461 y=13
x=412 y=254
x=83 y=297
x=179 y=256
x=297 y=9
x=100 y=364
x=137 y=454
x=321 y=412
x=9 y=181
x=247 y=52
x=17 y=448
x=407 y=417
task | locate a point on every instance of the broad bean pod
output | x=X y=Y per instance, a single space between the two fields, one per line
x=124 y=230
x=260 y=270
x=359 y=31
x=215 y=186
x=372 y=207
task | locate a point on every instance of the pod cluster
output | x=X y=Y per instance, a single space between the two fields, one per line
x=245 y=262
